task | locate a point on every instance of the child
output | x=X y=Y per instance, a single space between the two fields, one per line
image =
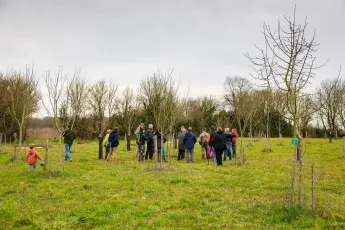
x=31 y=158
x=106 y=144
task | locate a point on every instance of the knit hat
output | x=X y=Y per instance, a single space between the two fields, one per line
x=150 y=126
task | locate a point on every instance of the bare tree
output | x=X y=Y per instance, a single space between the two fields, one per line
x=329 y=97
x=159 y=97
x=128 y=112
x=23 y=96
x=77 y=94
x=288 y=60
x=112 y=101
x=56 y=93
x=239 y=96
x=98 y=102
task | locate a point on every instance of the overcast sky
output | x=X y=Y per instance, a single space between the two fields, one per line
x=126 y=40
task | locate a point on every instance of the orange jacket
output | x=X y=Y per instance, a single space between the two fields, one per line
x=31 y=156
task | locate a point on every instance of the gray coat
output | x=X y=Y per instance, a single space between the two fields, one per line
x=180 y=137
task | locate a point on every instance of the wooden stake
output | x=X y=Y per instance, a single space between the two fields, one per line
x=312 y=187
x=293 y=176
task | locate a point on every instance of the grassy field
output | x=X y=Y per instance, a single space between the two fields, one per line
x=93 y=194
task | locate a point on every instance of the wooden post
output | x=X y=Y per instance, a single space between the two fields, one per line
x=45 y=166
x=126 y=142
x=293 y=176
x=5 y=140
x=312 y=188
x=155 y=152
x=343 y=153
x=0 y=142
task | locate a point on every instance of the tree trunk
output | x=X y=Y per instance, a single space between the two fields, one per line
x=162 y=150
x=61 y=162
x=128 y=143
x=0 y=143
x=175 y=141
x=100 y=148
x=293 y=177
x=330 y=137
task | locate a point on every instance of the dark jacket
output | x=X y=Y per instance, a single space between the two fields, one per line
x=189 y=140
x=149 y=136
x=68 y=137
x=218 y=141
x=159 y=140
x=114 y=139
x=228 y=138
x=180 y=141
x=142 y=139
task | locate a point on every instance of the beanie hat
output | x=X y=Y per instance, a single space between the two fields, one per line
x=150 y=126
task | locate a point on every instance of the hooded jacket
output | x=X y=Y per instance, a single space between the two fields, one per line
x=114 y=139
x=31 y=156
x=189 y=140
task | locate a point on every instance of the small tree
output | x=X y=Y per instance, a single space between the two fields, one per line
x=288 y=61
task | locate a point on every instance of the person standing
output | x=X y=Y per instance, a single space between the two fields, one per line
x=160 y=150
x=106 y=144
x=149 y=136
x=136 y=133
x=203 y=143
x=209 y=138
x=181 y=147
x=228 y=142
x=141 y=139
x=234 y=141
x=218 y=144
x=68 y=139
x=189 y=142
x=114 y=143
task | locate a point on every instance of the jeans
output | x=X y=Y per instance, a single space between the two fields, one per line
x=190 y=155
x=227 y=152
x=180 y=154
x=233 y=146
x=219 y=153
x=30 y=166
x=68 y=151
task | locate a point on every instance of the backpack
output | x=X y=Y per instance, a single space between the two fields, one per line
x=211 y=153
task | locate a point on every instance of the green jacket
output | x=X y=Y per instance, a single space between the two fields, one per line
x=106 y=140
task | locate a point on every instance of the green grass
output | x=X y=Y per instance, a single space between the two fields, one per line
x=93 y=194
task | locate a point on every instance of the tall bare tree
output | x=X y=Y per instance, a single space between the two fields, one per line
x=98 y=103
x=288 y=61
x=239 y=96
x=128 y=112
x=23 y=96
x=112 y=101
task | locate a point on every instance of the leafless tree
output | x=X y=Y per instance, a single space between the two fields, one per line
x=98 y=102
x=56 y=94
x=288 y=61
x=239 y=96
x=23 y=96
x=128 y=112
x=112 y=101
x=159 y=96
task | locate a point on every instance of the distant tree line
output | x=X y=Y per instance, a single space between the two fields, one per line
x=93 y=108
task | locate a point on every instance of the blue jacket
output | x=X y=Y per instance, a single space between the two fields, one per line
x=142 y=139
x=189 y=140
x=114 y=139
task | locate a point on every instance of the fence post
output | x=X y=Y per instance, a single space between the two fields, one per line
x=312 y=187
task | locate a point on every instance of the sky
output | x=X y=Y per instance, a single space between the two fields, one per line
x=204 y=41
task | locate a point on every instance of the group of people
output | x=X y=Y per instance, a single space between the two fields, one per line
x=215 y=140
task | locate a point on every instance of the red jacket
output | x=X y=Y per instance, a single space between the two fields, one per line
x=31 y=156
x=234 y=140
